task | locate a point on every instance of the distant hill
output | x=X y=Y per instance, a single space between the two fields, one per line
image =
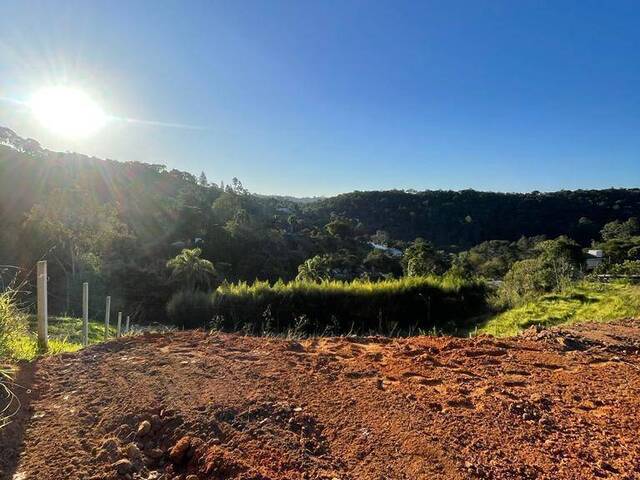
x=468 y=217
x=141 y=192
x=116 y=224
x=144 y=194
x=286 y=198
x=448 y=218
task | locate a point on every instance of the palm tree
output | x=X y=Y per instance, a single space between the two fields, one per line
x=191 y=271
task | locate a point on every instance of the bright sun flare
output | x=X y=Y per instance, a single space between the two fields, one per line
x=67 y=111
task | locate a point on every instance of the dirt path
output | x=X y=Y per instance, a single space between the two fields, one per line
x=556 y=404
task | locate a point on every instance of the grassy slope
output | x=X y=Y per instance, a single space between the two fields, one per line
x=585 y=302
x=64 y=336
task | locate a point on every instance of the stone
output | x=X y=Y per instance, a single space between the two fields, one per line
x=179 y=451
x=110 y=445
x=144 y=428
x=155 y=453
x=156 y=423
x=123 y=466
x=133 y=452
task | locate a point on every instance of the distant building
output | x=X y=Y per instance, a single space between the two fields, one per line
x=188 y=243
x=394 y=252
x=594 y=258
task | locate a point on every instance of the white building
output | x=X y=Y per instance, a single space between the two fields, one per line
x=393 y=252
x=594 y=258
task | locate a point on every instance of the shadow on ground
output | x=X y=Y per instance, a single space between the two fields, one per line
x=12 y=436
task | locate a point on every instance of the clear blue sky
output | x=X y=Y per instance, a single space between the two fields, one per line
x=315 y=98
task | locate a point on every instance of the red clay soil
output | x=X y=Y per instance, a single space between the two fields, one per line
x=551 y=404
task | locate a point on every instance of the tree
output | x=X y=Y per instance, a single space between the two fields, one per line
x=293 y=222
x=381 y=265
x=553 y=269
x=561 y=247
x=342 y=265
x=524 y=280
x=340 y=227
x=634 y=253
x=202 y=180
x=237 y=187
x=190 y=271
x=621 y=230
x=78 y=230
x=315 y=269
x=628 y=267
x=421 y=258
x=381 y=237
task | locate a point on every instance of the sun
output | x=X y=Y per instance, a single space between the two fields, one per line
x=67 y=111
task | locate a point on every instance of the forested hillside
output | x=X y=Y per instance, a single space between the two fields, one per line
x=117 y=224
x=466 y=218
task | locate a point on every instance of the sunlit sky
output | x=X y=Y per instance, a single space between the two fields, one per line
x=315 y=98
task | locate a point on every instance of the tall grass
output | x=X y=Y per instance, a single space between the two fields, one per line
x=401 y=306
x=8 y=404
x=585 y=301
x=12 y=327
x=13 y=324
x=18 y=340
x=65 y=335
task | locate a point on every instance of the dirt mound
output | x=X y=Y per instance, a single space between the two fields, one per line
x=551 y=404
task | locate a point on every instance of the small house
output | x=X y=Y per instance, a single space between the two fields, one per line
x=392 y=252
x=594 y=258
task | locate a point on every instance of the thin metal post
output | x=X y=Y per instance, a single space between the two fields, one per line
x=43 y=318
x=119 y=328
x=126 y=325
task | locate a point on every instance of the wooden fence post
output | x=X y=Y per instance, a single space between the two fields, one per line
x=126 y=325
x=43 y=318
x=85 y=314
x=119 y=328
x=106 y=318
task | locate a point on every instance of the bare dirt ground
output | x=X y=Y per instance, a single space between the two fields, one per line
x=551 y=404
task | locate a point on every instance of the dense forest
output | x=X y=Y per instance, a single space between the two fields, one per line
x=118 y=225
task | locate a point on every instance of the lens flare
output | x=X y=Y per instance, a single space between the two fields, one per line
x=67 y=111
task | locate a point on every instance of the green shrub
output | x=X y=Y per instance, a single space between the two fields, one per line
x=190 y=309
x=581 y=302
x=404 y=305
x=12 y=326
x=12 y=322
x=628 y=267
x=529 y=278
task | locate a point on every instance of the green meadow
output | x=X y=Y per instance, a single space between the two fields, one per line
x=582 y=302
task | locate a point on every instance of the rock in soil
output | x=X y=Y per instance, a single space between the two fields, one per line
x=144 y=428
x=123 y=466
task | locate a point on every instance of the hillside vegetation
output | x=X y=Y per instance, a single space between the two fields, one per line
x=466 y=218
x=65 y=335
x=586 y=301
x=406 y=306
x=151 y=237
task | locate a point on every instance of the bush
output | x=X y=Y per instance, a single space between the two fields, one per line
x=628 y=267
x=12 y=323
x=581 y=302
x=190 y=309
x=531 y=277
x=398 y=306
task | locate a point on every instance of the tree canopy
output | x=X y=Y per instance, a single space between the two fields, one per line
x=141 y=232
